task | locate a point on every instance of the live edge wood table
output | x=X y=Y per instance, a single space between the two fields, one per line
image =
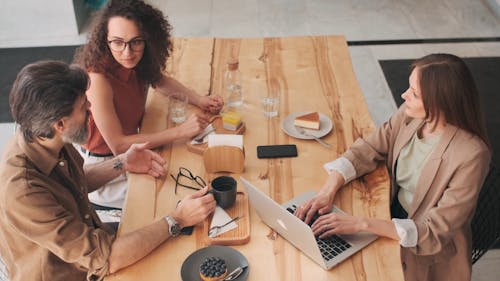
x=308 y=74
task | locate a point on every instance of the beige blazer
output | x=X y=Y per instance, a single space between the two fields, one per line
x=445 y=198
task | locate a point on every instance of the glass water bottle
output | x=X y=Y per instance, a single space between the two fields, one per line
x=232 y=85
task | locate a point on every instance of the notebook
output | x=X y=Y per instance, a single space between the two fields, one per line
x=326 y=252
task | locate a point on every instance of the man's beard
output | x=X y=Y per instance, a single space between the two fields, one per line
x=78 y=134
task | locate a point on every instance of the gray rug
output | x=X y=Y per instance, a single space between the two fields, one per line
x=14 y=59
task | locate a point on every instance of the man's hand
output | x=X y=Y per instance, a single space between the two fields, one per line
x=194 y=208
x=212 y=104
x=138 y=159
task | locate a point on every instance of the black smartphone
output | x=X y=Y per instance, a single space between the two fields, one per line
x=188 y=230
x=276 y=151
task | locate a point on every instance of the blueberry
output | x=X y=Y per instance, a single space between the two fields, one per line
x=213 y=266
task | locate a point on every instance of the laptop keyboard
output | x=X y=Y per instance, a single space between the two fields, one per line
x=330 y=246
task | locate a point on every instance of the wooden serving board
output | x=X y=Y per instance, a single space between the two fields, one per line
x=239 y=235
x=219 y=129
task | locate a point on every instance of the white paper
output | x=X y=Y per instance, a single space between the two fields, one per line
x=228 y=140
x=220 y=218
x=109 y=215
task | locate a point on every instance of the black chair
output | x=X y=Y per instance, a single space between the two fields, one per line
x=486 y=221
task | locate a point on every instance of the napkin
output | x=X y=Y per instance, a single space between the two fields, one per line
x=229 y=140
x=220 y=217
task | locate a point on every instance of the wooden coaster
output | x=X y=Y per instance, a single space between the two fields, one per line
x=219 y=129
x=239 y=235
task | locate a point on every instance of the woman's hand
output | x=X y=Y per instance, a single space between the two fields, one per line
x=194 y=125
x=194 y=208
x=336 y=223
x=212 y=104
x=321 y=203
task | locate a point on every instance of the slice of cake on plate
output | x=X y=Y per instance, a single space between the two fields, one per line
x=309 y=121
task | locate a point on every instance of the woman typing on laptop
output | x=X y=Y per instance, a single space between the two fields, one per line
x=437 y=153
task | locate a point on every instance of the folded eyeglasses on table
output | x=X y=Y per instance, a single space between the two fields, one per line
x=185 y=178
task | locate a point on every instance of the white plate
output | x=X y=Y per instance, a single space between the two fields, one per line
x=325 y=126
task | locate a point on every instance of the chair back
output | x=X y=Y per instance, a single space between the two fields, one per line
x=486 y=222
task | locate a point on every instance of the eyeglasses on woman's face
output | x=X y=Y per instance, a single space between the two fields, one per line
x=118 y=45
x=186 y=179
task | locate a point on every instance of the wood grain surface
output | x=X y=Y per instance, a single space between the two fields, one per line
x=239 y=235
x=307 y=74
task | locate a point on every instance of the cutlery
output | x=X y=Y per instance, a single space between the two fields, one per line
x=208 y=130
x=214 y=230
x=235 y=273
x=304 y=133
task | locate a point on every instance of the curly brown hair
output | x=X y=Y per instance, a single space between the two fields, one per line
x=96 y=56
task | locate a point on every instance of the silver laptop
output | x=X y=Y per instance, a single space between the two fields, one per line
x=326 y=252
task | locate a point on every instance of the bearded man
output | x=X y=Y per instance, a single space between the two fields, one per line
x=48 y=228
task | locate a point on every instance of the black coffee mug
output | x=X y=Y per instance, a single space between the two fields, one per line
x=224 y=191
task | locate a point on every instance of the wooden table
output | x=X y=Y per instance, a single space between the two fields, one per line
x=307 y=73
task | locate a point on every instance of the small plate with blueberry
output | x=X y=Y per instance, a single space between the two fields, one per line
x=214 y=263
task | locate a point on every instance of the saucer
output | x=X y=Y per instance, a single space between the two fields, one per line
x=325 y=126
x=190 y=270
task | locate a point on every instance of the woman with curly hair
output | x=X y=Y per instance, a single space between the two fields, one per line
x=125 y=54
